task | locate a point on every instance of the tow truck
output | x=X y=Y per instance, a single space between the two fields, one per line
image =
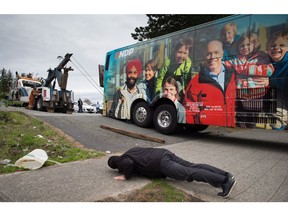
x=21 y=87
x=49 y=98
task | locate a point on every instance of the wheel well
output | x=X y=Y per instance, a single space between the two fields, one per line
x=137 y=101
x=162 y=101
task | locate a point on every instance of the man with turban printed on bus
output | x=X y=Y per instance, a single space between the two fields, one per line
x=128 y=92
x=162 y=163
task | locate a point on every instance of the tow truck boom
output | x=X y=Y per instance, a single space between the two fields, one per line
x=57 y=73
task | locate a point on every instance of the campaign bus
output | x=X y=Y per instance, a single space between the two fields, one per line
x=232 y=72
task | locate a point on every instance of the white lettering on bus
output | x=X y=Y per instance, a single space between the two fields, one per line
x=125 y=53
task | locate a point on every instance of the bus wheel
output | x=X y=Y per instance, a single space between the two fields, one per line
x=195 y=128
x=142 y=114
x=39 y=104
x=165 y=118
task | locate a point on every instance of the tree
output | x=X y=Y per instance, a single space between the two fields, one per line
x=163 y=24
x=6 y=79
x=86 y=100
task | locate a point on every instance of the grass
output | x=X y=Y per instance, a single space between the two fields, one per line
x=157 y=191
x=21 y=134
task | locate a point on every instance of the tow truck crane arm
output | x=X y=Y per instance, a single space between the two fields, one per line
x=57 y=74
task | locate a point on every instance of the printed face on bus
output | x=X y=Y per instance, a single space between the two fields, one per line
x=149 y=73
x=278 y=48
x=182 y=54
x=169 y=91
x=214 y=56
x=228 y=35
x=132 y=76
x=246 y=47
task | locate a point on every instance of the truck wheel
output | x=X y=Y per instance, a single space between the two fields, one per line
x=39 y=104
x=195 y=128
x=142 y=114
x=165 y=118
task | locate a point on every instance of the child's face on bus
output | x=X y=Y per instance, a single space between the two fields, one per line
x=169 y=91
x=149 y=73
x=246 y=47
x=181 y=54
x=228 y=35
x=278 y=48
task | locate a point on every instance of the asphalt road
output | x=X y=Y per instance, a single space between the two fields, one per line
x=85 y=129
x=257 y=158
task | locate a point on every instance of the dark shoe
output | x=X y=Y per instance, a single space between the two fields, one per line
x=229 y=175
x=227 y=188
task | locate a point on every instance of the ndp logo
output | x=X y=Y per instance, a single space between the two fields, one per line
x=124 y=53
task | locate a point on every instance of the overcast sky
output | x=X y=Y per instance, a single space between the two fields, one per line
x=31 y=43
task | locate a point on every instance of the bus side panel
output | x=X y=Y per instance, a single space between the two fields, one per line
x=221 y=73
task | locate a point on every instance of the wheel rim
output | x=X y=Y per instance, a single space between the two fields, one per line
x=38 y=105
x=164 y=119
x=141 y=114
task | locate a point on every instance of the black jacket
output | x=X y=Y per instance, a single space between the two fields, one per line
x=141 y=161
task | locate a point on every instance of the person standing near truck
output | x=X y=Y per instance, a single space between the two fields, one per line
x=32 y=97
x=80 y=106
x=97 y=107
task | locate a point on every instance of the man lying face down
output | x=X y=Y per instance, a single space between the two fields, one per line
x=162 y=163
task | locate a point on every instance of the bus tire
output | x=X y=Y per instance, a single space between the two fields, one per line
x=39 y=104
x=142 y=114
x=165 y=118
x=195 y=128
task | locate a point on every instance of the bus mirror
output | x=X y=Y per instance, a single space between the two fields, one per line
x=101 y=75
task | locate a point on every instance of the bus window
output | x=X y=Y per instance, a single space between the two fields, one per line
x=107 y=61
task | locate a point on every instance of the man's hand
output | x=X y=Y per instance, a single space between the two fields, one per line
x=121 y=177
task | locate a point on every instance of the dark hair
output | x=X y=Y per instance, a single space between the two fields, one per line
x=153 y=64
x=183 y=41
x=276 y=35
x=113 y=161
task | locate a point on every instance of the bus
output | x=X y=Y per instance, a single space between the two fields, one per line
x=232 y=72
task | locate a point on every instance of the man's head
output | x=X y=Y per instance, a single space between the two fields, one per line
x=113 y=162
x=133 y=70
x=214 y=56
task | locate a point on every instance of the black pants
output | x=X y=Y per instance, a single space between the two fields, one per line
x=179 y=169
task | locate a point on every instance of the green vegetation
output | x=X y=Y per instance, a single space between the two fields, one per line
x=6 y=79
x=157 y=191
x=160 y=191
x=20 y=134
